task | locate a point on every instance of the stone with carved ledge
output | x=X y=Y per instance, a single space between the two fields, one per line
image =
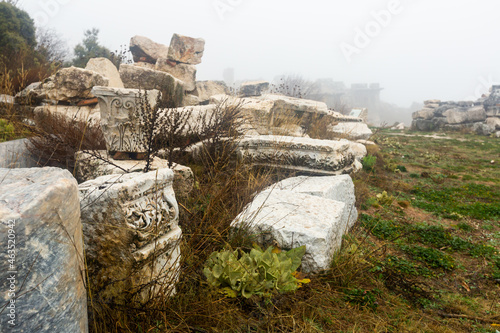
x=130 y=227
x=118 y=125
x=309 y=156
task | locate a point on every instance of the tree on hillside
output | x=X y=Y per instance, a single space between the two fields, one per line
x=90 y=48
x=17 y=30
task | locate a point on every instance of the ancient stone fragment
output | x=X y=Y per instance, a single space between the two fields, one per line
x=130 y=227
x=107 y=69
x=255 y=88
x=184 y=72
x=41 y=267
x=145 y=50
x=185 y=49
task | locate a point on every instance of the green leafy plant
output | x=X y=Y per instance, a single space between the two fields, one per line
x=385 y=199
x=256 y=273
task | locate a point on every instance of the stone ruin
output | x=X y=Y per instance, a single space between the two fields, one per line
x=127 y=220
x=480 y=117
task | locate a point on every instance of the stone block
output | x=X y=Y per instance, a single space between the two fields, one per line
x=41 y=233
x=145 y=50
x=185 y=49
x=106 y=68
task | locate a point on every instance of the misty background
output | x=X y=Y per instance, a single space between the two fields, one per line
x=415 y=50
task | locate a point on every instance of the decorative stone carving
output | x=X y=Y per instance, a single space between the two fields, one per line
x=117 y=107
x=130 y=227
x=42 y=254
x=319 y=157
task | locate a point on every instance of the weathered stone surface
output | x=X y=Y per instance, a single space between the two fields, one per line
x=6 y=100
x=295 y=219
x=86 y=114
x=425 y=114
x=145 y=50
x=423 y=125
x=40 y=224
x=461 y=115
x=71 y=85
x=15 y=154
x=191 y=100
x=117 y=123
x=107 y=69
x=144 y=65
x=338 y=188
x=135 y=77
x=184 y=72
x=399 y=126
x=432 y=101
x=317 y=157
x=206 y=89
x=353 y=131
x=29 y=95
x=494 y=122
x=254 y=88
x=130 y=227
x=185 y=49
x=99 y=163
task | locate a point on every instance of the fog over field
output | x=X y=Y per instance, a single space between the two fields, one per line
x=416 y=50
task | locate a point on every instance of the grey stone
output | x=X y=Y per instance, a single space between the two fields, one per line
x=254 y=88
x=493 y=122
x=185 y=49
x=49 y=270
x=145 y=50
x=425 y=114
x=465 y=115
x=15 y=154
x=29 y=96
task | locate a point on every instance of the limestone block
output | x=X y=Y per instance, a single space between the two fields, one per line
x=254 y=88
x=206 y=89
x=40 y=225
x=98 y=163
x=184 y=72
x=85 y=114
x=29 y=95
x=145 y=50
x=465 y=115
x=118 y=124
x=425 y=114
x=71 y=84
x=338 y=188
x=107 y=69
x=136 y=77
x=191 y=100
x=295 y=219
x=15 y=154
x=130 y=227
x=352 y=131
x=494 y=122
x=185 y=49
x=317 y=157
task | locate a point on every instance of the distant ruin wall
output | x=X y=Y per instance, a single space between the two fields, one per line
x=481 y=117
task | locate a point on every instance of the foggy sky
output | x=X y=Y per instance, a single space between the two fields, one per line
x=416 y=49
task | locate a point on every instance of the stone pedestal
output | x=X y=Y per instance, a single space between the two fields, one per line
x=130 y=227
x=41 y=266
